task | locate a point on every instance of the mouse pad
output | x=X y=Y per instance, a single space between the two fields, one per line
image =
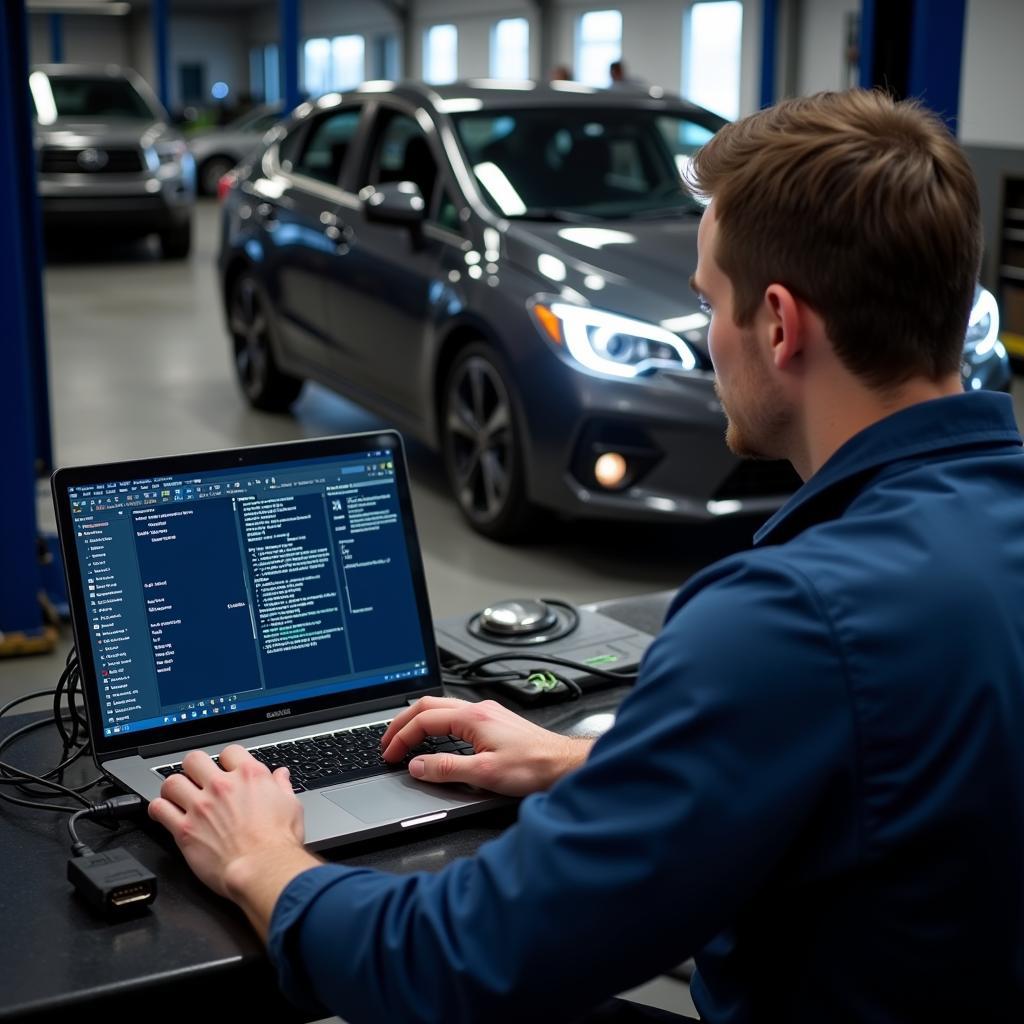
x=399 y=797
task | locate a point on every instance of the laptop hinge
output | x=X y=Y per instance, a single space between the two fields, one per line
x=253 y=729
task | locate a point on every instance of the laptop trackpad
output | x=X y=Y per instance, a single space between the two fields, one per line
x=399 y=796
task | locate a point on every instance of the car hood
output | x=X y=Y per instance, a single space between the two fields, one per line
x=639 y=268
x=107 y=132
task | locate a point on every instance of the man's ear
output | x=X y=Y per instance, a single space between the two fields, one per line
x=784 y=324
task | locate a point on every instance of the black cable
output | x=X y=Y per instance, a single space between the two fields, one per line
x=10 y=775
x=471 y=668
x=115 y=807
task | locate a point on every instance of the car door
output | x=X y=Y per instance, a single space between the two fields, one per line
x=298 y=228
x=379 y=301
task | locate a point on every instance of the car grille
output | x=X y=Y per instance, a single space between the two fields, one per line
x=56 y=160
x=757 y=478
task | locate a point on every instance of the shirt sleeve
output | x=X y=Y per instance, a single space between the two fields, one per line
x=736 y=731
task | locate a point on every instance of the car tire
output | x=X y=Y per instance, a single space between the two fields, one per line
x=264 y=385
x=482 y=445
x=211 y=170
x=176 y=242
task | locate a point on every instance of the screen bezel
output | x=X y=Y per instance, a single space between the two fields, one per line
x=256 y=720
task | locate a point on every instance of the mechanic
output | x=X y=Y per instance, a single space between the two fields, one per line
x=816 y=787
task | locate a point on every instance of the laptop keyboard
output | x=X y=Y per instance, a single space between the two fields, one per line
x=343 y=756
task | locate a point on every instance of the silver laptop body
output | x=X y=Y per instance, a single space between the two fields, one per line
x=258 y=596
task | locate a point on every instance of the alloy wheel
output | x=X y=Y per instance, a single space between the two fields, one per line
x=481 y=439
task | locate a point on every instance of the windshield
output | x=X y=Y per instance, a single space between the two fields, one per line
x=574 y=164
x=67 y=96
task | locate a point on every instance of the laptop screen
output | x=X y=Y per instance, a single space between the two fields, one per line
x=214 y=592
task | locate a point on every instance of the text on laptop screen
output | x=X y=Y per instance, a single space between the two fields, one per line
x=240 y=589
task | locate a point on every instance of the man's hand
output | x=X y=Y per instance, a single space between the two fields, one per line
x=239 y=828
x=513 y=756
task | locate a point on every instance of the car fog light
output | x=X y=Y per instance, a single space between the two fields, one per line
x=610 y=469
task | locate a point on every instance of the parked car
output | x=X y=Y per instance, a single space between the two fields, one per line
x=108 y=157
x=502 y=273
x=217 y=150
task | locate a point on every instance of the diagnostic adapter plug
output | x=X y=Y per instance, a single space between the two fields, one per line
x=112 y=882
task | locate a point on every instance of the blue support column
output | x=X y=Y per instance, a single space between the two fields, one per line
x=769 y=49
x=19 y=580
x=288 y=53
x=866 y=54
x=936 y=53
x=158 y=12
x=57 y=38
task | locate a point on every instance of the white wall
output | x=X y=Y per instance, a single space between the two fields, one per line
x=96 y=39
x=992 y=75
x=821 y=44
x=216 y=44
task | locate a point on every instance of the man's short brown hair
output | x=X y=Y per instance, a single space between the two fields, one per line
x=867 y=210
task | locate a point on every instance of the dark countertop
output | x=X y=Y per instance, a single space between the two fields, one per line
x=54 y=952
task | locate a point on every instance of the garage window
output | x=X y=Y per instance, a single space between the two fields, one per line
x=598 y=43
x=333 y=65
x=510 y=49
x=711 y=61
x=441 y=54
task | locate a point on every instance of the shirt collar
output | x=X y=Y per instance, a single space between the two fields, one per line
x=924 y=429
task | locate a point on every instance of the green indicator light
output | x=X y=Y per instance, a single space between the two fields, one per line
x=601 y=659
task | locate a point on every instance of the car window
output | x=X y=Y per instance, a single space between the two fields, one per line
x=327 y=144
x=683 y=138
x=288 y=148
x=550 y=163
x=448 y=212
x=101 y=96
x=401 y=153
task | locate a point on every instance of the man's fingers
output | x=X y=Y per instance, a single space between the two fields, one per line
x=423 y=704
x=283 y=778
x=199 y=767
x=234 y=757
x=444 y=768
x=165 y=813
x=436 y=722
x=180 y=790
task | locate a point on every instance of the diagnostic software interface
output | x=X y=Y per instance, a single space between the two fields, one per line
x=238 y=589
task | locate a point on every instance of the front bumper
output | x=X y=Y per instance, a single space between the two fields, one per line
x=671 y=430
x=135 y=203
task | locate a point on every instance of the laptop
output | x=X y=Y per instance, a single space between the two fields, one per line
x=270 y=596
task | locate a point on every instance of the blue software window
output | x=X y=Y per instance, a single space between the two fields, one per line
x=241 y=589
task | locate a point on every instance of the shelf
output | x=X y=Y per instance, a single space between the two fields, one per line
x=1013 y=234
x=1011 y=273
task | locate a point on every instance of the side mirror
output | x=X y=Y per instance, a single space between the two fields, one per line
x=394 y=202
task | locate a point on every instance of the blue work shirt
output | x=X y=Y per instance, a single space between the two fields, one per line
x=816 y=786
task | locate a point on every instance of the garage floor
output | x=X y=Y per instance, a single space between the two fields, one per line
x=139 y=366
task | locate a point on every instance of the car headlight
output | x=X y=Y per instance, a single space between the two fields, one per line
x=982 y=325
x=169 y=152
x=612 y=344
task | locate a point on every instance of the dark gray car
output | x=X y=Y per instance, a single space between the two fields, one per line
x=108 y=158
x=501 y=272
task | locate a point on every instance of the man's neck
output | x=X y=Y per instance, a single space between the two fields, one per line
x=835 y=414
